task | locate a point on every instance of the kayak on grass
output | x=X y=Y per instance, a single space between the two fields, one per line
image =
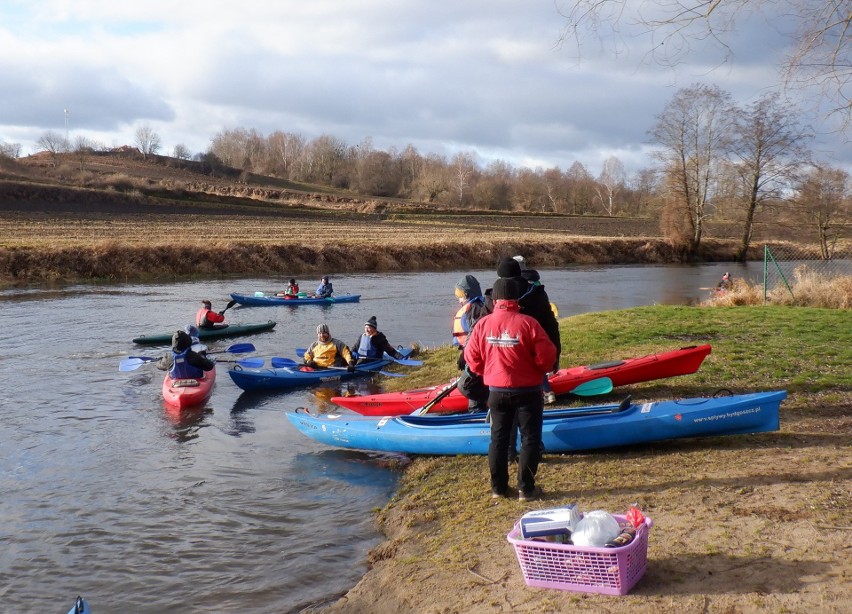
x=566 y=430
x=683 y=361
x=218 y=332
x=182 y=393
x=297 y=375
x=259 y=299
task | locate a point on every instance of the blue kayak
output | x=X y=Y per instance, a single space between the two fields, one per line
x=296 y=376
x=259 y=299
x=565 y=430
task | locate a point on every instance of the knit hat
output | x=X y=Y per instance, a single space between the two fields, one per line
x=372 y=322
x=181 y=341
x=323 y=328
x=507 y=289
x=468 y=287
x=520 y=260
x=508 y=267
x=531 y=275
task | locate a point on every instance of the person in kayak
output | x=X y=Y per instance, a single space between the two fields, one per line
x=291 y=291
x=325 y=289
x=725 y=284
x=512 y=352
x=372 y=344
x=182 y=362
x=471 y=310
x=206 y=317
x=327 y=351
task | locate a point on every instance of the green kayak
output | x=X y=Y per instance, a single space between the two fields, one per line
x=229 y=330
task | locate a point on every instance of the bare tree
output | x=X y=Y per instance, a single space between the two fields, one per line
x=820 y=59
x=181 y=152
x=530 y=190
x=83 y=148
x=10 y=150
x=432 y=181
x=464 y=165
x=610 y=182
x=770 y=148
x=55 y=143
x=556 y=189
x=284 y=149
x=147 y=140
x=824 y=197
x=580 y=188
x=695 y=131
x=494 y=188
x=378 y=174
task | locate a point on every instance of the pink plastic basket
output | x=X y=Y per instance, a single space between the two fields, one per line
x=610 y=571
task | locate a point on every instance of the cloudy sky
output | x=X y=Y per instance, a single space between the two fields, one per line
x=482 y=76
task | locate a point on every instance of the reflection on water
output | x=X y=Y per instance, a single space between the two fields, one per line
x=108 y=494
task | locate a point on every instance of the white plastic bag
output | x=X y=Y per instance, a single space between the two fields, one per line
x=595 y=529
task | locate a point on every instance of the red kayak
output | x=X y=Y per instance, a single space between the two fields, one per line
x=180 y=393
x=622 y=373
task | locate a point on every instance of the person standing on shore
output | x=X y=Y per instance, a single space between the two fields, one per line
x=512 y=352
x=471 y=310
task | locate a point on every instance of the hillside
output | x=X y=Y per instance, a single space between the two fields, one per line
x=118 y=215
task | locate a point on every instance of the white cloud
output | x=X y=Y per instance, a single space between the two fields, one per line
x=481 y=76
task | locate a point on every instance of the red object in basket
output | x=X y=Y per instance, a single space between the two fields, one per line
x=635 y=517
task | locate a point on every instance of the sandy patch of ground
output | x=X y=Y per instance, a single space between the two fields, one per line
x=757 y=523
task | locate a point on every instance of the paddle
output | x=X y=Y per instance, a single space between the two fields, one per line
x=229 y=305
x=425 y=409
x=602 y=385
x=131 y=363
x=405 y=361
x=237 y=348
x=134 y=362
x=287 y=363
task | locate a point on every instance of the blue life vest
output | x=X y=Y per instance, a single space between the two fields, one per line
x=366 y=349
x=182 y=369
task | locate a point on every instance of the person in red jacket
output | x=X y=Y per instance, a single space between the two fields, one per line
x=512 y=352
x=206 y=317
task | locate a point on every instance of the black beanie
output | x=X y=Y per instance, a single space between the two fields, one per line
x=508 y=267
x=530 y=275
x=181 y=341
x=372 y=322
x=507 y=289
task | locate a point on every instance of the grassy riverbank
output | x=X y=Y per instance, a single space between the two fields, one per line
x=750 y=523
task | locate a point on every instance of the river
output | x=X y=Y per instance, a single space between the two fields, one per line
x=105 y=494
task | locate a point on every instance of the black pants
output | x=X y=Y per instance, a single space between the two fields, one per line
x=528 y=406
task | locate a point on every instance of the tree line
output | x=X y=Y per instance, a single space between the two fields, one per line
x=714 y=160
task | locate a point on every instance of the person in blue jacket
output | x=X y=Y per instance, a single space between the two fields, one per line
x=372 y=343
x=325 y=289
x=182 y=362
